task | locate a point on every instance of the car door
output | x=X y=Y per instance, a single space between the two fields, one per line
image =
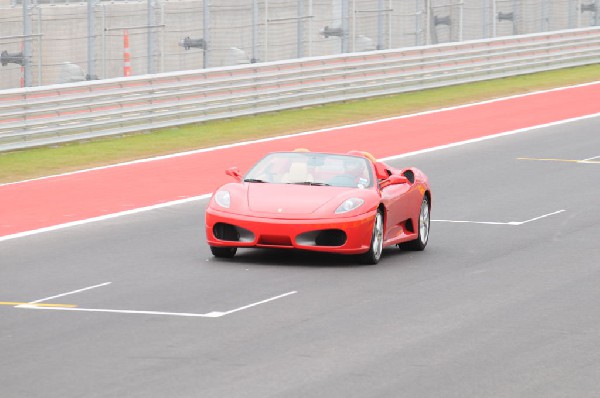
x=397 y=198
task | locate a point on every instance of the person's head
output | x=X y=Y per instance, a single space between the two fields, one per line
x=354 y=165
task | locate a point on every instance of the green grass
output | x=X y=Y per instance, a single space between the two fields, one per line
x=38 y=162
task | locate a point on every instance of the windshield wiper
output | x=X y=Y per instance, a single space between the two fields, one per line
x=319 y=184
x=253 y=180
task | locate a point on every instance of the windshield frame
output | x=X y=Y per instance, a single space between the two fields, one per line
x=320 y=169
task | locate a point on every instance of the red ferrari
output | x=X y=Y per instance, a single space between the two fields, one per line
x=340 y=203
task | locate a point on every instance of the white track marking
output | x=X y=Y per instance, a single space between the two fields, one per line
x=584 y=161
x=588 y=159
x=490 y=137
x=180 y=314
x=514 y=223
x=105 y=217
x=540 y=217
x=32 y=303
x=310 y=132
x=212 y=314
x=473 y=222
x=254 y=304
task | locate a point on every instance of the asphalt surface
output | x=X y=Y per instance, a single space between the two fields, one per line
x=501 y=304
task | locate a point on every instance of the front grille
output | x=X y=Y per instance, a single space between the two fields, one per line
x=325 y=237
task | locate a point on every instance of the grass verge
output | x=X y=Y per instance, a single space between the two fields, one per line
x=39 y=162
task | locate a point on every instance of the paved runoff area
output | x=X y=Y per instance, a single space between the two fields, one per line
x=503 y=302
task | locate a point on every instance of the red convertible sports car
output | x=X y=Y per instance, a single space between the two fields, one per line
x=340 y=203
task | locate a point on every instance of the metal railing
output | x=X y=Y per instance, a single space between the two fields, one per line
x=47 y=115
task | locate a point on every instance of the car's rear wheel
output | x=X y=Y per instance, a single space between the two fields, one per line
x=376 y=247
x=424 y=223
x=223 y=252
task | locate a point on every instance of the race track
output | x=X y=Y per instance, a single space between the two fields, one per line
x=502 y=303
x=27 y=207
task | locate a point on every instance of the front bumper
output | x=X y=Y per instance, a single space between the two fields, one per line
x=345 y=235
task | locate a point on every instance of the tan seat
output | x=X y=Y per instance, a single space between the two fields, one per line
x=298 y=173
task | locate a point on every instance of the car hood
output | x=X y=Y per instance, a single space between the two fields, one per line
x=292 y=199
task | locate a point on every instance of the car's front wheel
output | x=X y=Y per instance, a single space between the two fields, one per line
x=374 y=253
x=223 y=252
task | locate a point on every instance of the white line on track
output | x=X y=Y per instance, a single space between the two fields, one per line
x=514 y=223
x=212 y=314
x=490 y=137
x=588 y=159
x=32 y=303
x=105 y=217
x=257 y=303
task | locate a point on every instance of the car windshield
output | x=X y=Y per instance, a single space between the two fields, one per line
x=311 y=168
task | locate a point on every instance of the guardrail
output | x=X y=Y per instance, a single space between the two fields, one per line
x=59 y=113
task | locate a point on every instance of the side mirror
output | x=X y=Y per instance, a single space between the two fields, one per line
x=397 y=179
x=235 y=173
x=381 y=171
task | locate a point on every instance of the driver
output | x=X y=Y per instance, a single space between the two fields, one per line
x=354 y=167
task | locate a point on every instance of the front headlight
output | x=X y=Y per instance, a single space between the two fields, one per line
x=348 y=205
x=223 y=199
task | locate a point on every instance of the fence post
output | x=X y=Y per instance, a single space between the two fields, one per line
x=300 y=30
x=22 y=80
x=345 y=25
x=206 y=32
x=151 y=22
x=379 y=25
x=254 y=31
x=26 y=44
x=91 y=55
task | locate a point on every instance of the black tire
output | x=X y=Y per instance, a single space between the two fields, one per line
x=223 y=252
x=374 y=254
x=423 y=228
